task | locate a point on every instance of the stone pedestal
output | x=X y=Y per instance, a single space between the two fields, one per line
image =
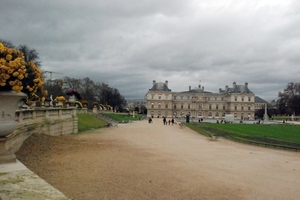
x=266 y=117
x=8 y=105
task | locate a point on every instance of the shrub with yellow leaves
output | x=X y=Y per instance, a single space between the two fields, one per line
x=60 y=98
x=18 y=75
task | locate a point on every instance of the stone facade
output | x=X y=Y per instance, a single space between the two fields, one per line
x=198 y=103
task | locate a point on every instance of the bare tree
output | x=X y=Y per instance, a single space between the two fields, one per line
x=30 y=54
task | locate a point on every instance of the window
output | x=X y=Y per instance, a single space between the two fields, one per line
x=152 y=96
x=216 y=98
x=200 y=114
x=235 y=98
x=224 y=107
x=249 y=107
x=189 y=106
x=181 y=97
x=208 y=98
x=209 y=114
x=174 y=106
x=159 y=105
x=181 y=106
x=249 y=98
x=174 y=97
x=242 y=98
x=152 y=106
x=209 y=107
x=235 y=107
x=222 y=98
x=217 y=114
x=242 y=107
x=217 y=107
x=166 y=106
x=200 y=106
x=188 y=98
x=159 y=97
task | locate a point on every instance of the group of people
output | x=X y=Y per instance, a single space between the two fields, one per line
x=166 y=122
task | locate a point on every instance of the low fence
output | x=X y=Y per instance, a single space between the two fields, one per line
x=43 y=120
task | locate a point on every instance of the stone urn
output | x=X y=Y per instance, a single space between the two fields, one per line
x=9 y=101
x=72 y=98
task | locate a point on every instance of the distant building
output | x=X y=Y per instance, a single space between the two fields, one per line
x=237 y=100
x=59 y=82
x=259 y=103
x=131 y=104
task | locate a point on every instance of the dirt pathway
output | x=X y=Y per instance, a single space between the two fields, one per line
x=152 y=161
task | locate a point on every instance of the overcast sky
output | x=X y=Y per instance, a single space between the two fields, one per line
x=129 y=43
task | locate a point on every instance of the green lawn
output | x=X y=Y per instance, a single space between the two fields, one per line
x=122 y=117
x=285 y=135
x=88 y=122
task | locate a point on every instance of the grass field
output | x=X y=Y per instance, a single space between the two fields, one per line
x=281 y=135
x=88 y=122
x=122 y=117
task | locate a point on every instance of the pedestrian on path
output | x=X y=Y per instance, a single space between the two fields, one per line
x=165 y=121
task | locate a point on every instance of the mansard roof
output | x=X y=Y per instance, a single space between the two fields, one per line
x=259 y=100
x=196 y=90
x=237 y=89
x=160 y=87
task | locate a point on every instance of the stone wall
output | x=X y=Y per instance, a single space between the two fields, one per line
x=50 y=121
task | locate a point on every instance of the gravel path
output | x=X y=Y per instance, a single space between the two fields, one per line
x=155 y=161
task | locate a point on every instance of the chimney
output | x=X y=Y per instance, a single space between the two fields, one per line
x=234 y=85
x=199 y=86
x=226 y=87
x=189 y=88
x=166 y=82
x=154 y=82
x=246 y=84
x=203 y=88
x=220 y=90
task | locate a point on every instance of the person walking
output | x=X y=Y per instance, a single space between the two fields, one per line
x=165 y=121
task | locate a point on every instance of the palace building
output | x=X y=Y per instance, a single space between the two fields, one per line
x=237 y=100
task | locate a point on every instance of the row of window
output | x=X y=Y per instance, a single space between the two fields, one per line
x=200 y=114
x=204 y=98
x=200 y=107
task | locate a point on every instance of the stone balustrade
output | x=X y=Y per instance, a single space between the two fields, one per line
x=43 y=120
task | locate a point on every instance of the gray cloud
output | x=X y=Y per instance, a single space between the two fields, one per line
x=127 y=44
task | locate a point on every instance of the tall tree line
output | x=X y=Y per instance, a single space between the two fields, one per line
x=90 y=91
x=288 y=102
